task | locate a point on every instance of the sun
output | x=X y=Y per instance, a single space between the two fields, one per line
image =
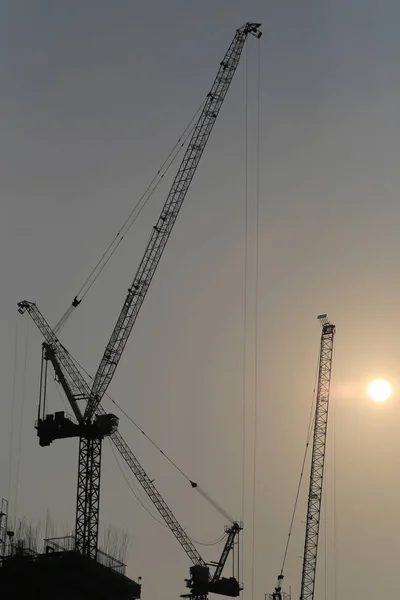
x=379 y=390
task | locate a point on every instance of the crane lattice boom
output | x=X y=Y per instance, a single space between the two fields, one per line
x=232 y=532
x=77 y=384
x=318 y=460
x=155 y=496
x=162 y=229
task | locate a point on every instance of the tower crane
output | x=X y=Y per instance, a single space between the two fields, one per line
x=93 y=424
x=317 y=460
x=317 y=468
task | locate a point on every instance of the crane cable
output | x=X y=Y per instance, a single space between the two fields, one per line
x=14 y=386
x=256 y=339
x=244 y=342
x=129 y=221
x=23 y=397
x=193 y=484
x=309 y=434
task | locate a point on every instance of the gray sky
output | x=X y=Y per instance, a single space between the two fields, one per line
x=94 y=94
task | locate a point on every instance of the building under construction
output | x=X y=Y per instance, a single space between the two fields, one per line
x=58 y=572
x=60 y=575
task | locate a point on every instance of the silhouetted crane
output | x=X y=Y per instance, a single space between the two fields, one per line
x=93 y=424
x=317 y=460
x=317 y=469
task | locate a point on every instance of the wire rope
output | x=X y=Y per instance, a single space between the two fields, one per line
x=193 y=484
x=213 y=543
x=244 y=343
x=146 y=508
x=155 y=445
x=309 y=434
x=256 y=339
x=61 y=396
x=130 y=220
x=14 y=385
x=23 y=397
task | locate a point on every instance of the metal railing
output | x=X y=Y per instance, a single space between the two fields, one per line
x=67 y=544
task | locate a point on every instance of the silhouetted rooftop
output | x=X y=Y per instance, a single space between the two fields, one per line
x=62 y=575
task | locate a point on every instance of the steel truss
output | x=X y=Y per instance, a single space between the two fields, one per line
x=318 y=460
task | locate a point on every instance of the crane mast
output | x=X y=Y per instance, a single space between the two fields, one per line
x=317 y=460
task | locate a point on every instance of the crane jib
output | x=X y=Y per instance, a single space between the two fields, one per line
x=161 y=231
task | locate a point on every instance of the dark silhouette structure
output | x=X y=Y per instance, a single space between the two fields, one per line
x=63 y=574
x=317 y=469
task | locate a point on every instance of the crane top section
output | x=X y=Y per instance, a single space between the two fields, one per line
x=252 y=28
x=327 y=327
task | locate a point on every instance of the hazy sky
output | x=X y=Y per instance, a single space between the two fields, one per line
x=94 y=95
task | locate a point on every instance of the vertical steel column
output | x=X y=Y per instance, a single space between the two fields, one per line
x=318 y=460
x=88 y=496
x=3 y=526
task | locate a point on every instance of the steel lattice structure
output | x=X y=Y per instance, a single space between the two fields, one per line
x=76 y=383
x=162 y=229
x=318 y=460
x=156 y=498
x=88 y=497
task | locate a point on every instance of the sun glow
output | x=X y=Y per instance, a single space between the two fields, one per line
x=379 y=390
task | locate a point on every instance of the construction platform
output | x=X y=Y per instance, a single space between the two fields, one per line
x=59 y=574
